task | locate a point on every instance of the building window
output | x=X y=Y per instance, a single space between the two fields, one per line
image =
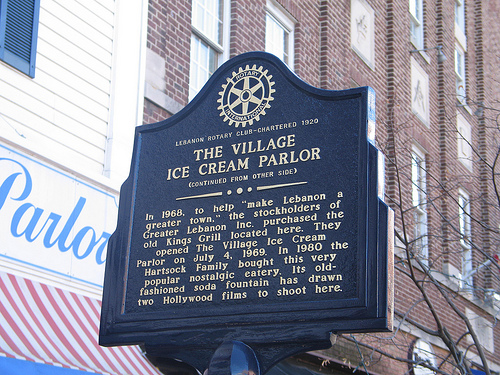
x=204 y=62
x=422 y=352
x=419 y=200
x=280 y=34
x=484 y=330
x=459 y=17
x=464 y=142
x=207 y=41
x=460 y=50
x=417 y=23
x=19 y=33
x=464 y=227
x=460 y=75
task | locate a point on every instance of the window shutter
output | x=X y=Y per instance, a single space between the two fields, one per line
x=18 y=33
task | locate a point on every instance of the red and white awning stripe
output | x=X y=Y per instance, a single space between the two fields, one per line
x=44 y=324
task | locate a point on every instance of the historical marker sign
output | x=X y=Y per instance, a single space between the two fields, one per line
x=252 y=215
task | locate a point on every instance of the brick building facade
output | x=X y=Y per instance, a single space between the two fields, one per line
x=434 y=67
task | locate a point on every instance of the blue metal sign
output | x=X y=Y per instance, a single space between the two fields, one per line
x=252 y=215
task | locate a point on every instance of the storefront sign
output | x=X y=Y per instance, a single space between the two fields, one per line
x=52 y=222
x=252 y=215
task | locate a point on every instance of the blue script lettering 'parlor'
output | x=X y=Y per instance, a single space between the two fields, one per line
x=35 y=223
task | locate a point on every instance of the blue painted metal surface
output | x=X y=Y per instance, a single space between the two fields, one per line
x=253 y=216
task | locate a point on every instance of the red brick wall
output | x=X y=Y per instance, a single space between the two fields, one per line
x=247 y=26
x=169 y=35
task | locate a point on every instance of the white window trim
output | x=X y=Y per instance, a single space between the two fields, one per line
x=459 y=30
x=127 y=90
x=461 y=48
x=464 y=140
x=284 y=19
x=216 y=46
x=419 y=21
x=421 y=206
x=466 y=279
x=461 y=76
x=226 y=31
x=423 y=352
x=222 y=50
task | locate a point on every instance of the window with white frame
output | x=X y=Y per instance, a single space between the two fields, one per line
x=417 y=23
x=207 y=41
x=419 y=200
x=423 y=353
x=280 y=33
x=460 y=51
x=459 y=17
x=460 y=74
x=464 y=141
x=464 y=227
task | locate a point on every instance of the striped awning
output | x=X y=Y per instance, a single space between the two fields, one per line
x=51 y=326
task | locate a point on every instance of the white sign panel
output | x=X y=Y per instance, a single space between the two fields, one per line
x=363 y=30
x=51 y=222
x=419 y=92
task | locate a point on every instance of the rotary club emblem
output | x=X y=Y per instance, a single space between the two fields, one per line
x=246 y=96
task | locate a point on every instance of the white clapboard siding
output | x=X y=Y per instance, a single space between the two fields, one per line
x=79 y=11
x=55 y=125
x=105 y=8
x=37 y=139
x=69 y=21
x=37 y=93
x=78 y=136
x=59 y=79
x=58 y=26
x=90 y=144
x=89 y=58
x=77 y=66
x=75 y=88
x=63 y=112
x=68 y=100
